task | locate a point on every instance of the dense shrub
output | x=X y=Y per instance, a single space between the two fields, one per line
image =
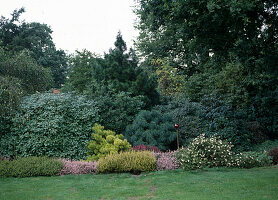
x=78 y=167
x=251 y=159
x=213 y=117
x=205 y=152
x=152 y=128
x=118 y=110
x=105 y=142
x=274 y=154
x=142 y=147
x=265 y=146
x=55 y=125
x=166 y=161
x=131 y=161
x=30 y=166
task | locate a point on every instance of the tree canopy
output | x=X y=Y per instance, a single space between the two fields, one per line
x=226 y=49
x=16 y=35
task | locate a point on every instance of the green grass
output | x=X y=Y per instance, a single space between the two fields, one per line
x=257 y=183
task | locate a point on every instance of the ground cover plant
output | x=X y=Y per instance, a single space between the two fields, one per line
x=216 y=183
x=78 y=167
x=30 y=166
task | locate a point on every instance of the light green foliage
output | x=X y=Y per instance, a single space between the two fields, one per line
x=251 y=159
x=30 y=166
x=55 y=125
x=152 y=128
x=169 y=80
x=205 y=152
x=105 y=142
x=134 y=162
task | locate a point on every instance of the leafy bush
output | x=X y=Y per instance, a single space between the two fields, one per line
x=210 y=116
x=55 y=125
x=251 y=159
x=274 y=154
x=205 y=152
x=105 y=142
x=131 y=161
x=78 y=167
x=265 y=146
x=142 y=147
x=166 y=161
x=30 y=166
x=118 y=110
x=152 y=128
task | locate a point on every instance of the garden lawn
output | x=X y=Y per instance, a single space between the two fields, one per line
x=257 y=183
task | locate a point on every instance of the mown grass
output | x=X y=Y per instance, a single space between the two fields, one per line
x=257 y=183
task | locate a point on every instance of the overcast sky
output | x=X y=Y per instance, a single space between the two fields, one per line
x=79 y=24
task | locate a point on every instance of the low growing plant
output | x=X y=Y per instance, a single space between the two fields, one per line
x=30 y=166
x=131 y=161
x=142 y=147
x=166 y=161
x=78 y=167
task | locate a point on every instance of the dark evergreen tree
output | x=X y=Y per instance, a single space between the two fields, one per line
x=119 y=72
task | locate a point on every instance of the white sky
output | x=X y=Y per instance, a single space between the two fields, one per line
x=79 y=24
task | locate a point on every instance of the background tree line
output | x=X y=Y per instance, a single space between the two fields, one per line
x=210 y=66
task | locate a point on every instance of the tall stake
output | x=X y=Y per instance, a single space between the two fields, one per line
x=177 y=127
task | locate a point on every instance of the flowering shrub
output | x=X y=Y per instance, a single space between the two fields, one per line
x=274 y=154
x=251 y=159
x=142 y=147
x=131 y=161
x=205 y=152
x=78 y=167
x=166 y=161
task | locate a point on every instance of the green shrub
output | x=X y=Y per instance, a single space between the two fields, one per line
x=118 y=110
x=55 y=125
x=30 y=166
x=211 y=116
x=105 y=142
x=274 y=154
x=251 y=159
x=265 y=146
x=205 y=152
x=152 y=128
x=134 y=162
